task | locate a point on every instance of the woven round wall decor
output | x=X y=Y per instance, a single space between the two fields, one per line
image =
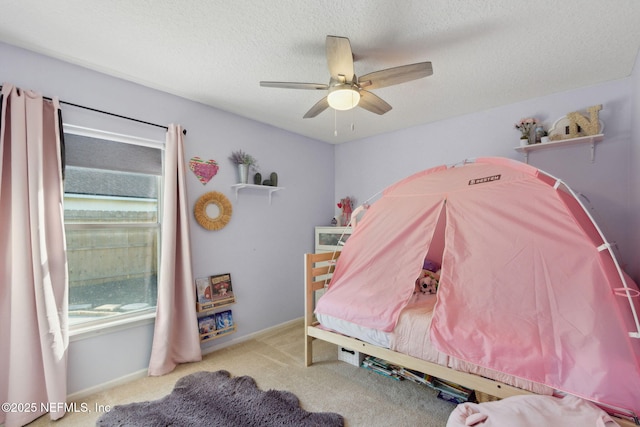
x=218 y=199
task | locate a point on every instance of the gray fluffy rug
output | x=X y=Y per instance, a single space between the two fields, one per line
x=216 y=399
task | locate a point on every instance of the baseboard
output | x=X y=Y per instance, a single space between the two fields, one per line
x=74 y=397
x=144 y=372
x=211 y=349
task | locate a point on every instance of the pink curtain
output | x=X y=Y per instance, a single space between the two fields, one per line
x=33 y=276
x=175 y=339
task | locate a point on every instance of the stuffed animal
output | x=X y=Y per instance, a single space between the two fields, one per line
x=427 y=282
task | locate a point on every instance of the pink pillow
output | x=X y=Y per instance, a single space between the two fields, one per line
x=531 y=411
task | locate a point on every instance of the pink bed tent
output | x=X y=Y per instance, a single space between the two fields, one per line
x=529 y=286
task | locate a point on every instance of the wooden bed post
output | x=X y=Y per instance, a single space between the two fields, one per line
x=308 y=311
x=316 y=276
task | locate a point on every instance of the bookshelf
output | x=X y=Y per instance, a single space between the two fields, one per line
x=214 y=296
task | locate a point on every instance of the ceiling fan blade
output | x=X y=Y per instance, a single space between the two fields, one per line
x=339 y=57
x=396 y=75
x=373 y=103
x=291 y=85
x=318 y=108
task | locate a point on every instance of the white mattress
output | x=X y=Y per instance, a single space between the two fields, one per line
x=371 y=336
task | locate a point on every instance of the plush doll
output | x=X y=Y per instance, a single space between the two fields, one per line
x=427 y=282
x=346 y=205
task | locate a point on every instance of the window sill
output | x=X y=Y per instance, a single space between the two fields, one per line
x=80 y=332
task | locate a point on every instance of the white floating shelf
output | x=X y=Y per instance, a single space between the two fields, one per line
x=591 y=139
x=268 y=188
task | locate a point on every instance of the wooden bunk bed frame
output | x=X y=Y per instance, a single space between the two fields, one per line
x=318 y=271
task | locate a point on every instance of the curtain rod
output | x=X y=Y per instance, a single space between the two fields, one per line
x=184 y=131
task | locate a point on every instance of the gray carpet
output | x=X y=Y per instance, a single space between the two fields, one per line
x=275 y=359
x=217 y=399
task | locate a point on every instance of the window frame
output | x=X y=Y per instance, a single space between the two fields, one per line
x=123 y=320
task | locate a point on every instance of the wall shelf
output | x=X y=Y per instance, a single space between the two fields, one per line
x=214 y=305
x=210 y=323
x=217 y=334
x=267 y=188
x=591 y=139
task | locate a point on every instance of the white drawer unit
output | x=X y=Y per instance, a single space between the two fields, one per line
x=329 y=239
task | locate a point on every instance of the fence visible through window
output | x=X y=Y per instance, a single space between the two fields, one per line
x=112 y=230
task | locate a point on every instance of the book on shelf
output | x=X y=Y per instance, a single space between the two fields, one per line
x=221 y=287
x=207 y=327
x=203 y=290
x=224 y=320
x=214 y=291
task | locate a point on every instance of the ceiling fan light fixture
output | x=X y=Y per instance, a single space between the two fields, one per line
x=345 y=88
x=343 y=97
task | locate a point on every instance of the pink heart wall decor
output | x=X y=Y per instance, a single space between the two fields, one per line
x=203 y=169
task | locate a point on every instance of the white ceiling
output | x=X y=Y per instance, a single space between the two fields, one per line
x=484 y=53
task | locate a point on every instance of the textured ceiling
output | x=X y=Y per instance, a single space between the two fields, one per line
x=484 y=53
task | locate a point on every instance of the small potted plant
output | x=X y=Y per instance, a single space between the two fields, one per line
x=525 y=126
x=244 y=162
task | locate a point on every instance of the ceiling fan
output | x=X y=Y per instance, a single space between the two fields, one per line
x=346 y=90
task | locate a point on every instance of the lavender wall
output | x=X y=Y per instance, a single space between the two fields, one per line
x=365 y=167
x=634 y=175
x=262 y=245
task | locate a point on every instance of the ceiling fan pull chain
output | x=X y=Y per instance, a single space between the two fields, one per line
x=353 y=126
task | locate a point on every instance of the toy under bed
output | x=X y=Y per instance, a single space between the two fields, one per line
x=411 y=336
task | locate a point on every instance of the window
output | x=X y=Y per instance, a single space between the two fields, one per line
x=112 y=223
